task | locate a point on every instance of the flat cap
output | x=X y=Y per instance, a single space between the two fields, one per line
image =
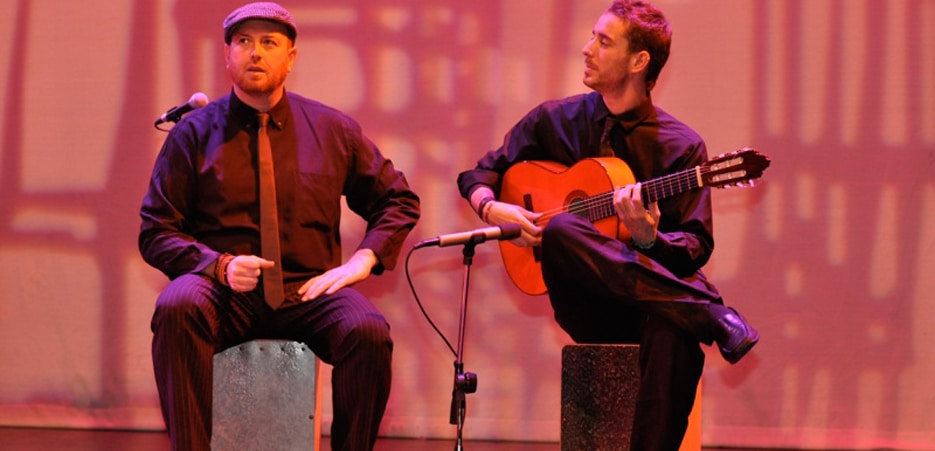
x=259 y=10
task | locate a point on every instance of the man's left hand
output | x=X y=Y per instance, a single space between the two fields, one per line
x=356 y=269
x=640 y=220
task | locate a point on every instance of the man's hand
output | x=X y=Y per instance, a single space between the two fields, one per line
x=499 y=213
x=356 y=269
x=243 y=272
x=642 y=222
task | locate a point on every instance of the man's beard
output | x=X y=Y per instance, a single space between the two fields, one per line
x=601 y=84
x=264 y=86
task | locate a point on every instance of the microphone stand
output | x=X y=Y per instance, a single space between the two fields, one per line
x=464 y=383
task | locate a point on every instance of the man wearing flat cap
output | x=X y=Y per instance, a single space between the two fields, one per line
x=243 y=215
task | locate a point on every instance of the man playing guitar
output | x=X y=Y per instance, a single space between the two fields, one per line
x=639 y=279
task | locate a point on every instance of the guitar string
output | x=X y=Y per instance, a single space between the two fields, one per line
x=653 y=187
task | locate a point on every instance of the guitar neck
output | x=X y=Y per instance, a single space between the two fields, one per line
x=601 y=205
x=670 y=185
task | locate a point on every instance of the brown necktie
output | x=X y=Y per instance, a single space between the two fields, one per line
x=269 y=219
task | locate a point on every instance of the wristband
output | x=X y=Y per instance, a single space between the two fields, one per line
x=484 y=203
x=220 y=269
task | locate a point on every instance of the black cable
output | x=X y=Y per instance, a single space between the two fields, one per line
x=419 y=303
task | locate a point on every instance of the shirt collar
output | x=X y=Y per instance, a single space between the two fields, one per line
x=628 y=119
x=246 y=114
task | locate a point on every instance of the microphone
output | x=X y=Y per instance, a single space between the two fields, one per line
x=197 y=100
x=476 y=236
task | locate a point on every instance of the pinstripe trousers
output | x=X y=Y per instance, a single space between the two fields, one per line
x=196 y=317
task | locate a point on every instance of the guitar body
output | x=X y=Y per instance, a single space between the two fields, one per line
x=544 y=186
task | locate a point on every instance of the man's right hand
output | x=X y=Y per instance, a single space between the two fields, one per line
x=243 y=271
x=500 y=213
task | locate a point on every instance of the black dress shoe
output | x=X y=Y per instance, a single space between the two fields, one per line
x=737 y=337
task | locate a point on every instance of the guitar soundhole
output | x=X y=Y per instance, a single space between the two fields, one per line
x=577 y=204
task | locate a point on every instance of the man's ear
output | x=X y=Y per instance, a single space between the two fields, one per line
x=640 y=61
x=293 y=53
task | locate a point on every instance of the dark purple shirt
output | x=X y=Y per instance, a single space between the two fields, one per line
x=203 y=194
x=651 y=142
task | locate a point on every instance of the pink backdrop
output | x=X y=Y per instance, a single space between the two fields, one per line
x=831 y=256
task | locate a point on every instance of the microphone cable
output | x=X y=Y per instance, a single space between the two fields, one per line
x=421 y=307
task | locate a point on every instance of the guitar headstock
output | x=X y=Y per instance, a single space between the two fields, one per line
x=739 y=168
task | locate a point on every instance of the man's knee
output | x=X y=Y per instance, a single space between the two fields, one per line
x=561 y=231
x=184 y=298
x=560 y=225
x=373 y=329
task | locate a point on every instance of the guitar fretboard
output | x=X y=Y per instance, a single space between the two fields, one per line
x=601 y=205
x=670 y=185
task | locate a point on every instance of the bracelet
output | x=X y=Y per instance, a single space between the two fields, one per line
x=484 y=203
x=220 y=269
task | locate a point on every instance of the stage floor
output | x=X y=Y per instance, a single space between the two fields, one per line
x=24 y=439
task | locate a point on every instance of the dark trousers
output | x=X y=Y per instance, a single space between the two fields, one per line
x=602 y=291
x=195 y=318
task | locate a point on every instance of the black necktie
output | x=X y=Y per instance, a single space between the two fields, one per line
x=269 y=218
x=607 y=137
x=614 y=139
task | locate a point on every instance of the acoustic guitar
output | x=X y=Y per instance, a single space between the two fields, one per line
x=587 y=189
